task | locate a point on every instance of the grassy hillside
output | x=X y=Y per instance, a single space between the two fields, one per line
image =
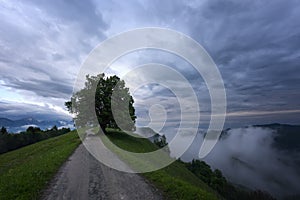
x=175 y=181
x=26 y=171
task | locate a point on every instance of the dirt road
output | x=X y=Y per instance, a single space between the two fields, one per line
x=83 y=177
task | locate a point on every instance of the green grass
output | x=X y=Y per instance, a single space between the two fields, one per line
x=175 y=180
x=25 y=172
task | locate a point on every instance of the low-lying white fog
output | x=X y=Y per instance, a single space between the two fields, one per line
x=248 y=157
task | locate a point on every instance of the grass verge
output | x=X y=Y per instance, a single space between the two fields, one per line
x=25 y=172
x=175 y=180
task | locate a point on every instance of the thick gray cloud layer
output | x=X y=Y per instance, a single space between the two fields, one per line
x=42 y=46
x=255 y=44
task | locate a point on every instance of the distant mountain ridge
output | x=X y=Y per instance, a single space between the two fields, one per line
x=22 y=124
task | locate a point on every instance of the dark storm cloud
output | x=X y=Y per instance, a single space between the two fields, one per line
x=35 y=47
x=19 y=110
x=255 y=44
x=77 y=11
x=42 y=46
x=45 y=88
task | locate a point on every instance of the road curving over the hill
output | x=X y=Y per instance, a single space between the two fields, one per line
x=82 y=177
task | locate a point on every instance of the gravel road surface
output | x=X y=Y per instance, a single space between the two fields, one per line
x=83 y=177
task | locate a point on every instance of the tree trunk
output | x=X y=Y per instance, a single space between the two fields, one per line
x=103 y=127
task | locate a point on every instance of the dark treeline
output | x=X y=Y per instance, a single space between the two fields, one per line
x=218 y=182
x=12 y=141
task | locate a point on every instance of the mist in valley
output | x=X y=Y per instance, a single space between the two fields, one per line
x=248 y=157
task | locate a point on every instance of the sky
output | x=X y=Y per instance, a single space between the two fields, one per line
x=255 y=45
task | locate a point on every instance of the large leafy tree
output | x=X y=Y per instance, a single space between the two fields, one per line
x=110 y=92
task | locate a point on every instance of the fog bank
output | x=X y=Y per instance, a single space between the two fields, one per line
x=248 y=157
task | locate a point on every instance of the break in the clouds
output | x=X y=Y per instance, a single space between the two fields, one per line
x=255 y=45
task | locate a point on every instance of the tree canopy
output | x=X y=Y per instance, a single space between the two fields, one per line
x=113 y=103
